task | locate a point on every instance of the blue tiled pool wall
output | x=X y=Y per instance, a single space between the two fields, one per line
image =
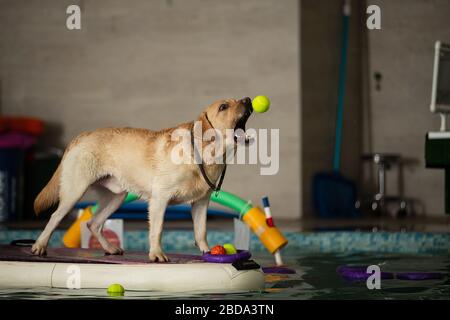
x=323 y=242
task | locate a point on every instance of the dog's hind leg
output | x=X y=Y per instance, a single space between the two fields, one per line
x=107 y=204
x=70 y=194
x=78 y=172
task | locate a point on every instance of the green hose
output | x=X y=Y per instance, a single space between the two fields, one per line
x=224 y=198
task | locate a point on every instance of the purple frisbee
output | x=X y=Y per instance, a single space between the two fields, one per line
x=359 y=273
x=226 y=258
x=416 y=276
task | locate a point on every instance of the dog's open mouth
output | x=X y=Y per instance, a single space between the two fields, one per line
x=239 y=130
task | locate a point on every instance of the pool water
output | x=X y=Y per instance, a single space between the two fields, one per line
x=315 y=278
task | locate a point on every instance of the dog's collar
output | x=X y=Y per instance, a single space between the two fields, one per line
x=206 y=116
x=202 y=168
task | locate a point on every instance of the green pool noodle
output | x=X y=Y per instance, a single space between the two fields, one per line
x=224 y=198
x=231 y=201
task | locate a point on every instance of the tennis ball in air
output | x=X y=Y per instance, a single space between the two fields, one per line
x=229 y=248
x=261 y=104
x=218 y=250
x=116 y=290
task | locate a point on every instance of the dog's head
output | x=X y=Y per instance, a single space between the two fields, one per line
x=227 y=114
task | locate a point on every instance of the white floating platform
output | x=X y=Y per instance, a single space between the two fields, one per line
x=83 y=270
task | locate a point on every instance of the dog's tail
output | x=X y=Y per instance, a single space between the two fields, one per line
x=50 y=194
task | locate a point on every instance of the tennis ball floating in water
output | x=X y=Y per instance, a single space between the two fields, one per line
x=218 y=250
x=261 y=104
x=116 y=289
x=229 y=248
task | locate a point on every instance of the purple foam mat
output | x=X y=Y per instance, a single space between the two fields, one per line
x=359 y=273
x=66 y=255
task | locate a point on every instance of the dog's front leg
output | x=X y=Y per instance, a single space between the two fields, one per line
x=157 y=207
x=199 y=215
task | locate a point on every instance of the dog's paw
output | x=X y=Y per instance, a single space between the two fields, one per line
x=114 y=250
x=203 y=246
x=39 y=249
x=157 y=256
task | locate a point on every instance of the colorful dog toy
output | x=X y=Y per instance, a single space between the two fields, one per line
x=230 y=248
x=269 y=222
x=218 y=249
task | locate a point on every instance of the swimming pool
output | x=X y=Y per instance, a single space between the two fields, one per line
x=315 y=257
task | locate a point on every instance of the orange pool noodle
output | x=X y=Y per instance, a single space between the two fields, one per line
x=72 y=238
x=271 y=237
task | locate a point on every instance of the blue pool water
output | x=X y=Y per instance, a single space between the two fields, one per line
x=314 y=256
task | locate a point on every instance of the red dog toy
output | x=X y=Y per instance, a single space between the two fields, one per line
x=218 y=250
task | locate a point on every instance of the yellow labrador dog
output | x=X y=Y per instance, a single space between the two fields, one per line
x=115 y=161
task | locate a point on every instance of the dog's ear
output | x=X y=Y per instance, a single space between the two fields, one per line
x=206 y=124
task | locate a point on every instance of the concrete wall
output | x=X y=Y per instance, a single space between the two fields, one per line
x=154 y=64
x=321 y=29
x=402 y=51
